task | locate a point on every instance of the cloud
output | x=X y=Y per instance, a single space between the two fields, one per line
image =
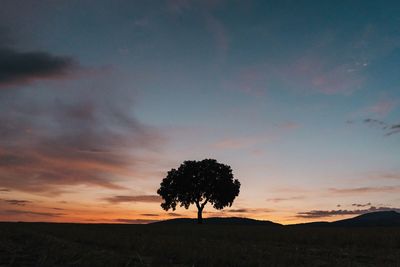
x=27 y=212
x=149 y=214
x=280 y=199
x=18 y=68
x=311 y=69
x=376 y=122
x=4 y=190
x=74 y=132
x=330 y=213
x=361 y=205
x=364 y=190
x=383 y=107
x=394 y=129
x=17 y=202
x=320 y=74
x=81 y=135
x=173 y=214
x=390 y=129
x=143 y=198
x=239 y=210
x=395 y=176
x=58 y=209
x=246 y=210
x=312 y=72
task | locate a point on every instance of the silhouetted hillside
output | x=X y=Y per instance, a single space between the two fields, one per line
x=217 y=220
x=381 y=218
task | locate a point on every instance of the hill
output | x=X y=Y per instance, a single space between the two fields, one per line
x=372 y=219
x=219 y=220
x=381 y=218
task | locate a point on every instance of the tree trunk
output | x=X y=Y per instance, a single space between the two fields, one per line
x=200 y=216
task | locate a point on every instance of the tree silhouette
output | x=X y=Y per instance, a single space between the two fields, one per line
x=199 y=182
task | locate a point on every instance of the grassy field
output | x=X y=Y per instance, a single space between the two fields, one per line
x=39 y=244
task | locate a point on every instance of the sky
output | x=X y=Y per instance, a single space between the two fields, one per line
x=100 y=99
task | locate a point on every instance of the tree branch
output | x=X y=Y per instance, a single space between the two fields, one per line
x=204 y=203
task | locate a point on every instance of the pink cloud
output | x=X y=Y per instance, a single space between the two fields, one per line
x=310 y=73
x=318 y=74
x=383 y=107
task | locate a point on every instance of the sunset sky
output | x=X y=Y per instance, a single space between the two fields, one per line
x=99 y=99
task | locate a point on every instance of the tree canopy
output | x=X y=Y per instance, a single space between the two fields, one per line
x=199 y=183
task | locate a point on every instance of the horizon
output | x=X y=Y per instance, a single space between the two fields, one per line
x=100 y=99
x=194 y=220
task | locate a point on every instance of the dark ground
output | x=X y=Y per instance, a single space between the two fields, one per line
x=40 y=244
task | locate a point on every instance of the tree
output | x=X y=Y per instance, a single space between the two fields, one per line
x=199 y=182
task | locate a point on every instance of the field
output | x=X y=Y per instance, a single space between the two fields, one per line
x=40 y=244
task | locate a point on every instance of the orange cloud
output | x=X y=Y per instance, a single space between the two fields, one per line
x=143 y=198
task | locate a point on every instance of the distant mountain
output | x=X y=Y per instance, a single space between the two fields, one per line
x=220 y=220
x=379 y=218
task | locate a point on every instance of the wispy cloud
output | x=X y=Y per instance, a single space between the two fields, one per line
x=150 y=214
x=142 y=198
x=361 y=205
x=395 y=176
x=390 y=129
x=173 y=214
x=28 y=212
x=383 y=107
x=239 y=210
x=330 y=213
x=17 y=202
x=81 y=136
x=280 y=199
x=364 y=190
x=320 y=74
x=247 y=210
